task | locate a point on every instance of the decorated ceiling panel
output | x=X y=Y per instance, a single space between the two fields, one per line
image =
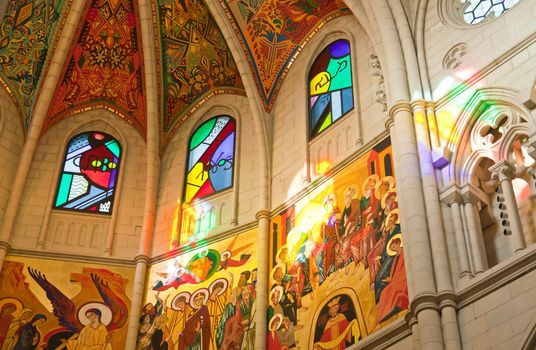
x=104 y=68
x=196 y=59
x=272 y=32
x=27 y=32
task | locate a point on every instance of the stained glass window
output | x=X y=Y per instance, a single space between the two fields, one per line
x=477 y=10
x=330 y=87
x=210 y=158
x=89 y=174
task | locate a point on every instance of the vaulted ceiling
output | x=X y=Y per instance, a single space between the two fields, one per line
x=104 y=67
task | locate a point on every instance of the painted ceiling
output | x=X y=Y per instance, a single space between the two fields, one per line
x=104 y=67
x=196 y=59
x=273 y=32
x=27 y=32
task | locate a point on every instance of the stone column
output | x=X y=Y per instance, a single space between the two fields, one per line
x=452 y=197
x=263 y=219
x=472 y=199
x=138 y=291
x=504 y=172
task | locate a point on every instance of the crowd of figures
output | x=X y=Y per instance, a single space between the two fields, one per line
x=19 y=330
x=218 y=317
x=365 y=232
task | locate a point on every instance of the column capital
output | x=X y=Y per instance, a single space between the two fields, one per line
x=502 y=171
x=400 y=106
x=418 y=104
x=262 y=214
x=451 y=194
x=531 y=145
x=142 y=258
x=389 y=123
x=424 y=301
x=472 y=194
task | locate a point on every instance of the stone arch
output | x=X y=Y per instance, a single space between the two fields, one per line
x=358 y=311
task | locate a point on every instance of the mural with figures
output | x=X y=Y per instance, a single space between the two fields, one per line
x=49 y=304
x=337 y=268
x=204 y=299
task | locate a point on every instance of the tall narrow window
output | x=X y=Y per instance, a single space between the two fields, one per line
x=210 y=158
x=89 y=174
x=475 y=11
x=330 y=87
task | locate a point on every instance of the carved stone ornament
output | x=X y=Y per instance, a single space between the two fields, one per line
x=381 y=96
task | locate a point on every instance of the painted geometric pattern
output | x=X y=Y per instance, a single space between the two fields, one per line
x=272 y=33
x=196 y=59
x=210 y=158
x=330 y=87
x=27 y=31
x=105 y=65
x=89 y=174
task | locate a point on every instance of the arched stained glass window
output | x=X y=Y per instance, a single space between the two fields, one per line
x=89 y=174
x=210 y=158
x=477 y=10
x=330 y=87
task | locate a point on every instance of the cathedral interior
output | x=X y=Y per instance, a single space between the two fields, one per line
x=267 y=174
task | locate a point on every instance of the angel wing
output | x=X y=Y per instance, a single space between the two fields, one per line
x=113 y=301
x=64 y=308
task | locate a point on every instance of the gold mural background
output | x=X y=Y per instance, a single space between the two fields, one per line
x=337 y=263
x=204 y=299
x=56 y=304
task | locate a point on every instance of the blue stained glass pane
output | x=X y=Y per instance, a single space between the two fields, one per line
x=221 y=171
x=339 y=48
x=318 y=109
x=78 y=142
x=347 y=100
x=336 y=108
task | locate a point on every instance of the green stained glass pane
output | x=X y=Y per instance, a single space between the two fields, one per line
x=341 y=73
x=202 y=133
x=65 y=187
x=113 y=146
x=326 y=123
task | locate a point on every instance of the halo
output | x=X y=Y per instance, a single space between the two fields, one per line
x=389 y=179
x=106 y=316
x=16 y=302
x=277 y=258
x=203 y=291
x=203 y=253
x=280 y=289
x=225 y=285
x=277 y=319
x=393 y=212
x=373 y=176
x=180 y=271
x=329 y=197
x=274 y=269
x=388 y=194
x=388 y=246
x=226 y=254
x=350 y=188
x=176 y=300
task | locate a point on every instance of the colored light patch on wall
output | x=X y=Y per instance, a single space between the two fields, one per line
x=27 y=31
x=196 y=61
x=272 y=33
x=105 y=67
x=210 y=158
x=330 y=87
x=89 y=174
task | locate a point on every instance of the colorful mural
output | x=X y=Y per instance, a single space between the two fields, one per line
x=204 y=299
x=89 y=174
x=105 y=66
x=210 y=158
x=272 y=33
x=337 y=272
x=196 y=59
x=27 y=31
x=47 y=304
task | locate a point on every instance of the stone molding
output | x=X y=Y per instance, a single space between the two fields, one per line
x=424 y=301
x=5 y=246
x=142 y=258
x=399 y=106
x=262 y=214
x=502 y=171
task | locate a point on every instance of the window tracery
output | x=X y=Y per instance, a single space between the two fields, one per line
x=210 y=158
x=89 y=174
x=475 y=11
x=330 y=87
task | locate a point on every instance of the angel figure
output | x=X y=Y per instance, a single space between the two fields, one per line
x=86 y=327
